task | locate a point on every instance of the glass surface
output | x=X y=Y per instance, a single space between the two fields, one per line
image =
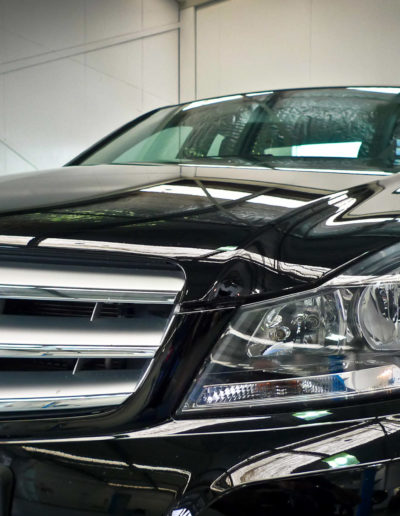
x=343 y=127
x=333 y=343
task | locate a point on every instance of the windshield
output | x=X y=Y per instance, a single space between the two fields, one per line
x=350 y=127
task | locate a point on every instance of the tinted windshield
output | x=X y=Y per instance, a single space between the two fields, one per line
x=344 y=126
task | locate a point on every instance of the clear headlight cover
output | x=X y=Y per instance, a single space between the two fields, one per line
x=336 y=342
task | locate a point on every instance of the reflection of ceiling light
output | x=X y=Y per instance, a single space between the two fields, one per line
x=227 y=248
x=77 y=458
x=199 y=103
x=271 y=200
x=344 y=204
x=391 y=91
x=181 y=512
x=340 y=460
x=327 y=150
x=309 y=415
x=318 y=150
x=14 y=240
x=258 y=93
x=333 y=222
x=231 y=195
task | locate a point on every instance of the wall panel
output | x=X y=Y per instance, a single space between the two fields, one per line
x=244 y=45
x=70 y=72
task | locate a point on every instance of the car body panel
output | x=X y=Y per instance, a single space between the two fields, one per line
x=137 y=458
x=224 y=229
x=240 y=234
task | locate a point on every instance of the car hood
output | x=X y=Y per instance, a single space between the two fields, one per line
x=159 y=206
x=237 y=233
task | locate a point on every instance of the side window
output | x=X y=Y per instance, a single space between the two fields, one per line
x=161 y=146
x=215 y=146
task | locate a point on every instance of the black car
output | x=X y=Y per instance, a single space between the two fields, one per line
x=200 y=314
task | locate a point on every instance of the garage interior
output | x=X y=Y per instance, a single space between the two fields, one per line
x=201 y=315
x=71 y=72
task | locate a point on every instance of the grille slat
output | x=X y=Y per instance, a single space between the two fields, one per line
x=62 y=336
x=61 y=390
x=79 y=338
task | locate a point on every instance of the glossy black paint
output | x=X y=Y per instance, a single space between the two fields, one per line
x=91 y=477
x=102 y=463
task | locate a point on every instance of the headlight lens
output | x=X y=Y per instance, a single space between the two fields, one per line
x=339 y=341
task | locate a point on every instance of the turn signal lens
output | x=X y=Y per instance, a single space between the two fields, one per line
x=312 y=387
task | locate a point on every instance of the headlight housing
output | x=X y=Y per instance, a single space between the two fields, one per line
x=339 y=341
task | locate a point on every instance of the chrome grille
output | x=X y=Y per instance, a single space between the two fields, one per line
x=79 y=338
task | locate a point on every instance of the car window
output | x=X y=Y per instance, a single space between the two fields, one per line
x=161 y=146
x=352 y=126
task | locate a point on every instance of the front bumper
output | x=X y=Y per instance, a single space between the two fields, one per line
x=138 y=461
x=213 y=467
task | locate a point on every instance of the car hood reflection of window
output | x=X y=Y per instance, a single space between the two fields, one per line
x=294 y=457
x=232 y=195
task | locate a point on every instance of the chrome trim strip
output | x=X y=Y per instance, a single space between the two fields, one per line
x=49 y=390
x=90 y=278
x=74 y=351
x=62 y=403
x=45 y=293
x=117 y=247
x=64 y=337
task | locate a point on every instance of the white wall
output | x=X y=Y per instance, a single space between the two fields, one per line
x=248 y=45
x=73 y=70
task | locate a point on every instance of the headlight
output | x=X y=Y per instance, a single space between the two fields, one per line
x=336 y=342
